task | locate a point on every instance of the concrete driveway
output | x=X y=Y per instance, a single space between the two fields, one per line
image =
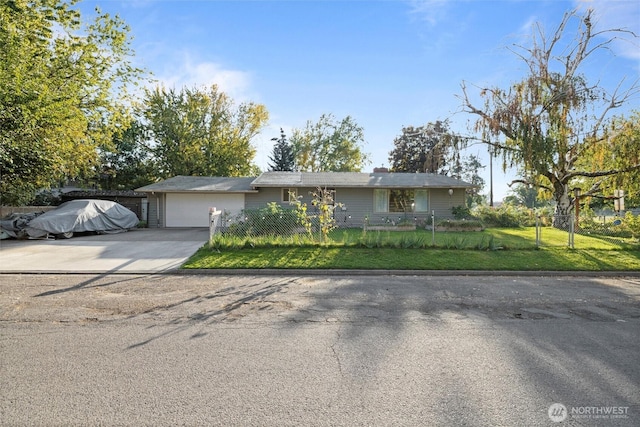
x=136 y=251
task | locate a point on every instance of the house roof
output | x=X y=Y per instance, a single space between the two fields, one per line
x=209 y=184
x=87 y=194
x=357 y=179
x=184 y=184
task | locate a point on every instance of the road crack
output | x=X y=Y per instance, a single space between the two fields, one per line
x=336 y=356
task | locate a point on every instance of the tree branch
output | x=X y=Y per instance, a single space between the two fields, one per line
x=530 y=183
x=597 y=174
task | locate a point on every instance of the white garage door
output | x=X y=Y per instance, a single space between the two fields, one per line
x=192 y=210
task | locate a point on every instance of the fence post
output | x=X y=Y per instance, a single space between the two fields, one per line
x=433 y=228
x=538 y=231
x=214 y=217
x=571 y=231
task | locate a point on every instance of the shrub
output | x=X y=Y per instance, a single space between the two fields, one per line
x=461 y=212
x=271 y=220
x=632 y=223
x=506 y=215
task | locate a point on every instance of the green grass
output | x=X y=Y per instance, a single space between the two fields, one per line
x=493 y=249
x=559 y=259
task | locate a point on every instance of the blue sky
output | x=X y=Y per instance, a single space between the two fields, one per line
x=388 y=64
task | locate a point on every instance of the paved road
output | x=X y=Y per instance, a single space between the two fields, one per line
x=136 y=251
x=370 y=350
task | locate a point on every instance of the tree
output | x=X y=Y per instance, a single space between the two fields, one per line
x=554 y=118
x=329 y=146
x=470 y=172
x=127 y=163
x=431 y=149
x=282 y=157
x=523 y=195
x=202 y=132
x=620 y=148
x=63 y=85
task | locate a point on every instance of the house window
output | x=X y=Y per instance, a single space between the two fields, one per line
x=380 y=201
x=400 y=201
x=421 y=201
x=289 y=195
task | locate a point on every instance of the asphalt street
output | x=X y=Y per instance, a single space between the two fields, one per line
x=137 y=350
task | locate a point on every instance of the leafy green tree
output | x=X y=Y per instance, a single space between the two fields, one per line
x=127 y=163
x=619 y=151
x=63 y=84
x=202 y=132
x=282 y=157
x=554 y=118
x=431 y=149
x=522 y=195
x=329 y=146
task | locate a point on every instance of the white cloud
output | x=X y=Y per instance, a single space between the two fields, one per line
x=617 y=14
x=190 y=73
x=431 y=11
x=529 y=25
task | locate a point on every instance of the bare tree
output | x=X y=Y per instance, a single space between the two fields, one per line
x=555 y=117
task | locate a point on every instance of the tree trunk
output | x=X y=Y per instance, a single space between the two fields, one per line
x=564 y=207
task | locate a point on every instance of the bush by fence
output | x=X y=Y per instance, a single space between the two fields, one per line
x=271 y=220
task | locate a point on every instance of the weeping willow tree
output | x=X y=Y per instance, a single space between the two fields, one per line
x=554 y=118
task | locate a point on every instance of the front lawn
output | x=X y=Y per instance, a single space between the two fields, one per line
x=492 y=249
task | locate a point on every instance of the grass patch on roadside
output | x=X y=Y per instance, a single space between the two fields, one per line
x=560 y=259
x=508 y=249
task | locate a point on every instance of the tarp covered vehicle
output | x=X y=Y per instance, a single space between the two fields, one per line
x=13 y=225
x=81 y=216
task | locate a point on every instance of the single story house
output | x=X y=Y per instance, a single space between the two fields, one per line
x=184 y=201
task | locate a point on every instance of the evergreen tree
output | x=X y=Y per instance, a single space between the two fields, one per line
x=282 y=156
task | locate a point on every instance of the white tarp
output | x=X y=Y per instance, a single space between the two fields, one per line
x=77 y=216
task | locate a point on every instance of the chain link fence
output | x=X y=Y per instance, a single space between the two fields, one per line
x=614 y=229
x=278 y=221
x=311 y=223
x=559 y=232
x=583 y=233
x=273 y=221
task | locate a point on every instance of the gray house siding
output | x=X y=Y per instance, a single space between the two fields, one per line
x=268 y=194
x=358 y=205
x=260 y=199
x=441 y=202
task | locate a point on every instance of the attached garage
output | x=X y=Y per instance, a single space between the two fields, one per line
x=184 y=201
x=192 y=209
